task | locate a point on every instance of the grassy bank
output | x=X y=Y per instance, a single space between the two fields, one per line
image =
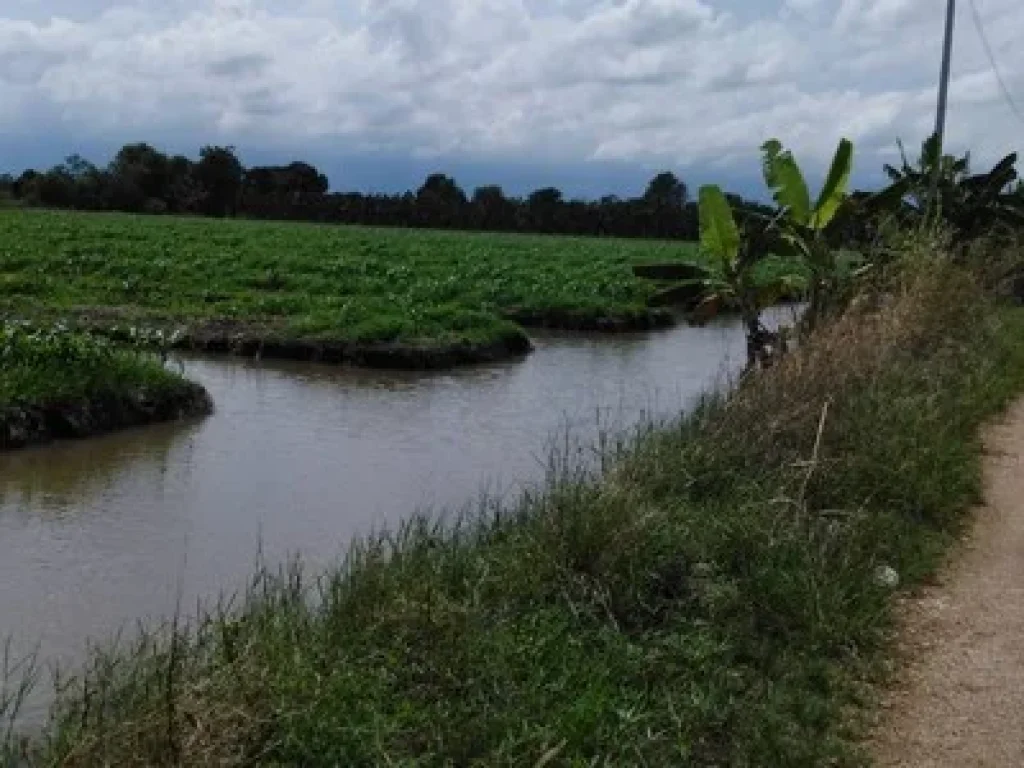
x=711 y=599
x=54 y=383
x=306 y=291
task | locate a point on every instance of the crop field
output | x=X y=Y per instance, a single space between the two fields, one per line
x=309 y=280
x=300 y=281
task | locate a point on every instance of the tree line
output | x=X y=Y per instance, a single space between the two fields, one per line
x=142 y=179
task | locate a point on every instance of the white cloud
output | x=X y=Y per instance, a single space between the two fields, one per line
x=647 y=81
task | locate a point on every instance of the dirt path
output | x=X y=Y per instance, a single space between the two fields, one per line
x=961 y=700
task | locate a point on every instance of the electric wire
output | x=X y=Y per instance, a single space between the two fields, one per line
x=1017 y=111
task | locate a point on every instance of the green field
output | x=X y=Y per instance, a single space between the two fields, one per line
x=350 y=285
x=308 y=281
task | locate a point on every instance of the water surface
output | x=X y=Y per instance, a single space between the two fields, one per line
x=300 y=458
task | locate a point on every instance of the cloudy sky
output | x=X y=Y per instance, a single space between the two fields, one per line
x=589 y=95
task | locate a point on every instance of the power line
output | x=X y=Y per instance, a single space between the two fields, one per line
x=992 y=61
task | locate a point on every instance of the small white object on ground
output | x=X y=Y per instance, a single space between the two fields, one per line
x=886 y=576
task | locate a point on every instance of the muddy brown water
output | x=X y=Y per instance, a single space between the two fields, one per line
x=301 y=458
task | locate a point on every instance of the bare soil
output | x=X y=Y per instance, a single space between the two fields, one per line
x=24 y=425
x=959 y=700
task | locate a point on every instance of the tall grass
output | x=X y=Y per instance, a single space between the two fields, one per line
x=709 y=599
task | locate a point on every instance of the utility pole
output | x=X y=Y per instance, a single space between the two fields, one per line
x=940 y=113
x=947 y=55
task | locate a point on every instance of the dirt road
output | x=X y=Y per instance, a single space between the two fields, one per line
x=960 y=701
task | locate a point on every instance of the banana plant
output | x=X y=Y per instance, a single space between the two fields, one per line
x=942 y=188
x=733 y=281
x=803 y=226
x=931 y=167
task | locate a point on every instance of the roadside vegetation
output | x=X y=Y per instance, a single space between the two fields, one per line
x=717 y=593
x=55 y=383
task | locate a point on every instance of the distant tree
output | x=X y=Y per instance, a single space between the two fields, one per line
x=219 y=174
x=24 y=184
x=78 y=167
x=440 y=202
x=76 y=183
x=664 y=199
x=184 y=191
x=666 y=190
x=138 y=174
x=492 y=210
x=57 y=189
x=542 y=208
x=306 y=187
x=294 y=191
x=141 y=178
x=91 y=184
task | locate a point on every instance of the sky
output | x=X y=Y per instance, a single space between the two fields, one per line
x=592 y=96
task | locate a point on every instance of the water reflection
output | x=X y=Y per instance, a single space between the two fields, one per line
x=66 y=476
